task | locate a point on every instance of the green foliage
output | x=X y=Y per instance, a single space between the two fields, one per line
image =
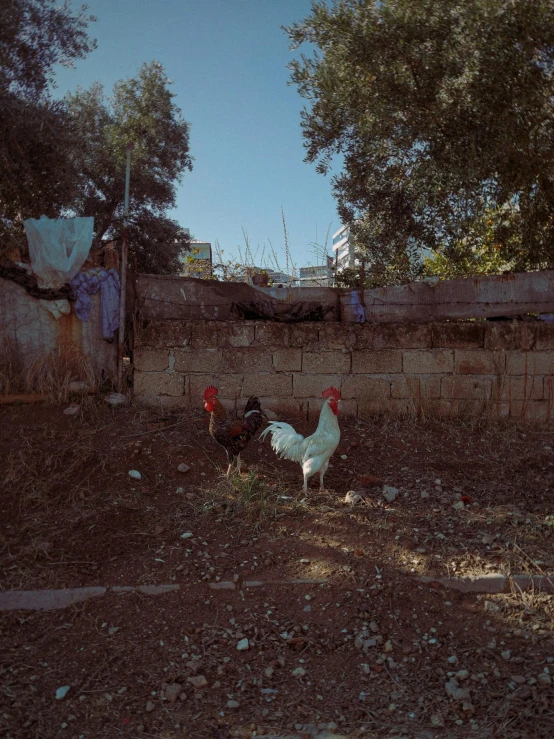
x=37 y=174
x=442 y=111
x=140 y=112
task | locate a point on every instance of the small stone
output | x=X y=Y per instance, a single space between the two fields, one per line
x=113 y=630
x=150 y=706
x=183 y=467
x=544 y=679
x=344 y=456
x=389 y=493
x=437 y=720
x=62 y=692
x=458 y=505
x=299 y=672
x=116 y=400
x=519 y=679
x=72 y=410
x=78 y=387
x=453 y=660
x=388 y=646
x=242 y=645
x=351 y=498
x=462 y=675
x=187 y=535
x=268 y=672
x=424 y=494
x=506 y=655
x=197 y=681
x=233 y=704
x=135 y=475
x=172 y=692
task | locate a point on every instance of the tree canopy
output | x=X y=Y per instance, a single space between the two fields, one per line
x=443 y=114
x=36 y=141
x=140 y=112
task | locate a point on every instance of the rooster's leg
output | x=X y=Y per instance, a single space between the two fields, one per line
x=322 y=472
x=238 y=463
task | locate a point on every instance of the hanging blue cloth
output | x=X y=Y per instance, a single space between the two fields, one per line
x=359 y=310
x=85 y=284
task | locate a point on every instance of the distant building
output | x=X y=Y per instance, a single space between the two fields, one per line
x=201 y=253
x=343 y=249
x=316 y=276
x=279 y=278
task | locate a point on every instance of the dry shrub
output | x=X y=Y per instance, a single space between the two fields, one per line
x=48 y=375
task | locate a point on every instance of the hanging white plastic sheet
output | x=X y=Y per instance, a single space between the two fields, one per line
x=58 y=248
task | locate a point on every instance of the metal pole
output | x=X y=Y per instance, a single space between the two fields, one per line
x=123 y=275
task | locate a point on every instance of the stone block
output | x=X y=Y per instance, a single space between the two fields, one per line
x=151 y=360
x=416 y=387
x=288 y=360
x=479 y=362
x=386 y=361
x=159 y=333
x=544 y=336
x=336 y=336
x=402 y=336
x=247 y=360
x=430 y=362
x=325 y=362
x=267 y=384
x=470 y=387
x=229 y=386
x=366 y=387
x=519 y=388
x=532 y=410
x=198 y=360
x=236 y=334
x=458 y=335
x=530 y=363
x=311 y=386
x=305 y=335
x=385 y=406
x=513 y=335
x=205 y=334
x=364 y=335
x=268 y=333
x=158 y=383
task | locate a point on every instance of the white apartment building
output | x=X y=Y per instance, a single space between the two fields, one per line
x=343 y=249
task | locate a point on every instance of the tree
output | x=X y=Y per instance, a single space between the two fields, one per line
x=442 y=111
x=142 y=113
x=36 y=171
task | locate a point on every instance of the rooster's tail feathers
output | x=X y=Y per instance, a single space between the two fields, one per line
x=253 y=404
x=285 y=440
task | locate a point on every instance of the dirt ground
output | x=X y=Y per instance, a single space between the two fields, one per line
x=372 y=651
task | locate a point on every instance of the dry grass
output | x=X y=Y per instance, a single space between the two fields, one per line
x=49 y=376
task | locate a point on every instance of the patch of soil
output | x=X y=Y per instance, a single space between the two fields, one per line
x=368 y=652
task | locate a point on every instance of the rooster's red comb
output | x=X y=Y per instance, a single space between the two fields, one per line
x=331 y=392
x=210 y=392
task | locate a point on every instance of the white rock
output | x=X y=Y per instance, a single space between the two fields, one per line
x=299 y=672
x=389 y=493
x=233 y=704
x=424 y=494
x=243 y=644
x=198 y=681
x=458 y=505
x=62 y=692
x=453 y=660
x=344 y=456
x=116 y=399
x=506 y=655
x=183 y=467
x=150 y=706
x=172 y=692
x=351 y=498
x=135 y=475
x=187 y=535
x=72 y=410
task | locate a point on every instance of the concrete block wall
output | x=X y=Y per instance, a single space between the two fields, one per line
x=504 y=369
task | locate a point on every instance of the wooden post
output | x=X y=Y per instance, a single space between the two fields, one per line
x=123 y=275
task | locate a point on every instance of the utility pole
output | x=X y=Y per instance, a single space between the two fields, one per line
x=123 y=274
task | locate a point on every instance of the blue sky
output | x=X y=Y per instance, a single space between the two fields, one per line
x=227 y=60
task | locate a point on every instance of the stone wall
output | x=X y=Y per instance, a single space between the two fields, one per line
x=499 y=368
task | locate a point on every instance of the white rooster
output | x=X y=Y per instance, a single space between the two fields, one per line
x=312 y=452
